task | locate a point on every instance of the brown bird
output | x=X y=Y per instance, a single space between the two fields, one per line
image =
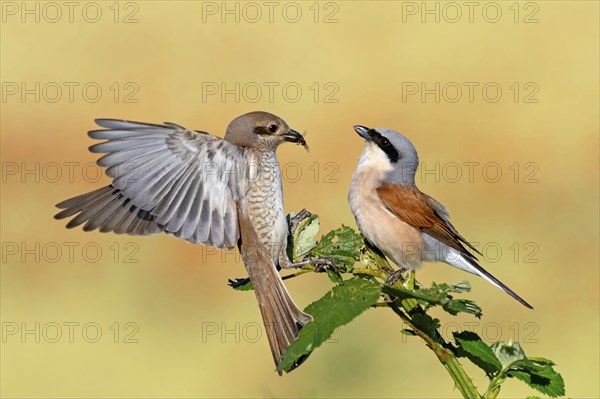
x=408 y=226
x=206 y=190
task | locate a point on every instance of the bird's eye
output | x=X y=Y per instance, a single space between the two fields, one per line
x=272 y=128
x=385 y=142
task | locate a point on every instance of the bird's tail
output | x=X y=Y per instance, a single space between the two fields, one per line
x=470 y=265
x=281 y=316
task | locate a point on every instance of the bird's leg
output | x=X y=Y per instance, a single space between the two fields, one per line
x=319 y=263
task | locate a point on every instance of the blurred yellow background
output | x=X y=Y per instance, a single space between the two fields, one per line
x=532 y=116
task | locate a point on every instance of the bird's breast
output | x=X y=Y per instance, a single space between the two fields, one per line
x=398 y=240
x=265 y=203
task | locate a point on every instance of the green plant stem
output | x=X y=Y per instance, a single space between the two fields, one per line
x=410 y=284
x=445 y=356
x=494 y=387
x=461 y=379
x=378 y=273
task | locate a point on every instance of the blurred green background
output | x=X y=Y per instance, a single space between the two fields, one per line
x=355 y=63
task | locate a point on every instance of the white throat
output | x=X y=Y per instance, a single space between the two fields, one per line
x=374 y=161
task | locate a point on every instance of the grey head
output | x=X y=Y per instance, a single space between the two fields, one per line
x=398 y=150
x=262 y=131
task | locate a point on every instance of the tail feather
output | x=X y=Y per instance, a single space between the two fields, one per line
x=470 y=265
x=281 y=316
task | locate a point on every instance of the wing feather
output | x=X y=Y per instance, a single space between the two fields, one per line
x=165 y=178
x=443 y=213
x=419 y=210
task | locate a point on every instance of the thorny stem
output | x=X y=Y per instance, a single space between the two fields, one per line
x=494 y=387
x=371 y=272
x=445 y=356
x=408 y=306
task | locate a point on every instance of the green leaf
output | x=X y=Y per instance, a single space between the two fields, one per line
x=437 y=295
x=338 y=307
x=403 y=293
x=508 y=353
x=334 y=276
x=477 y=351
x=463 y=286
x=456 y=306
x=537 y=372
x=541 y=361
x=427 y=324
x=371 y=257
x=542 y=378
x=437 y=292
x=341 y=245
x=304 y=238
x=241 y=284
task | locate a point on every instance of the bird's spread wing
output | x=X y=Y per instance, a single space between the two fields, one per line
x=424 y=213
x=165 y=178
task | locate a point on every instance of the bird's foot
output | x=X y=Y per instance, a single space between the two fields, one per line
x=320 y=264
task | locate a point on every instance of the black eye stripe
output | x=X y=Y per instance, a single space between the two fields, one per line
x=385 y=145
x=262 y=130
x=266 y=129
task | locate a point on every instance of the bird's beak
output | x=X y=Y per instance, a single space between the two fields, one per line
x=363 y=132
x=294 y=137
